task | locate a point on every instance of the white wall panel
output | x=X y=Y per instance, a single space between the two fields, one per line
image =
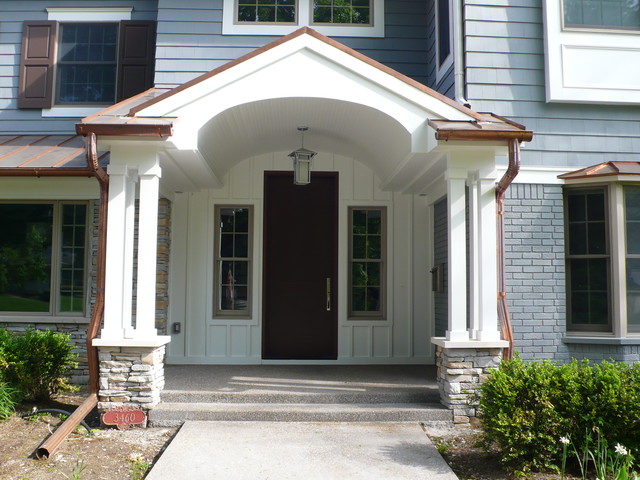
x=359 y=341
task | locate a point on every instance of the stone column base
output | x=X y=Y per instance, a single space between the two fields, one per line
x=461 y=371
x=131 y=376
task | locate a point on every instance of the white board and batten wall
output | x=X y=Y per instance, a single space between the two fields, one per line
x=402 y=338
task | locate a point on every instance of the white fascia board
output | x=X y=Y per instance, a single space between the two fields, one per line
x=48 y=188
x=333 y=57
x=537 y=175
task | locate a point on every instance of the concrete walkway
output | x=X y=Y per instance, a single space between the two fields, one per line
x=306 y=451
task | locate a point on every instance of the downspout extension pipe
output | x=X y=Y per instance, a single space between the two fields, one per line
x=51 y=444
x=513 y=168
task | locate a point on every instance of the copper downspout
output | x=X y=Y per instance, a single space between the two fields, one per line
x=503 y=308
x=51 y=444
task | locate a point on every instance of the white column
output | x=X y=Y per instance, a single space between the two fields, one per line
x=488 y=280
x=119 y=268
x=149 y=173
x=474 y=257
x=457 y=255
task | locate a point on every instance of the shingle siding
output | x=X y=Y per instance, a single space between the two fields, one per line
x=13 y=120
x=190 y=40
x=505 y=73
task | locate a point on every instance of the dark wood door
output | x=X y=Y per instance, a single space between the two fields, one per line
x=300 y=267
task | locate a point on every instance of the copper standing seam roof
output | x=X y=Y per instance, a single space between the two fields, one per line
x=606 y=169
x=30 y=154
x=488 y=127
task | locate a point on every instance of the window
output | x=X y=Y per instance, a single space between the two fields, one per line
x=233 y=255
x=592 y=51
x=367 y=269
x=603 y=258
x=84 y=63
x=619 y=14
x=632 y=261
x=587 y=260
x=279 y=17
x=43 y=258
x=444 y=38
x=87 y=63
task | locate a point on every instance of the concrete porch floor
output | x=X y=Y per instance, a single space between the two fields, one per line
x=309 y=383
x=300 y=393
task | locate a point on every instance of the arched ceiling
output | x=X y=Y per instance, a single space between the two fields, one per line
x=335 y=126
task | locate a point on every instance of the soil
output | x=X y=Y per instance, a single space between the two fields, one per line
x=462 y=450
x=107 y=453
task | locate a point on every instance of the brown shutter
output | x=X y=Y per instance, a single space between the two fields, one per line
x=135 y=59
x=36 y=66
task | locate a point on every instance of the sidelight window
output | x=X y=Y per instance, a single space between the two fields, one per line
x=367 y=268
x=233 y=255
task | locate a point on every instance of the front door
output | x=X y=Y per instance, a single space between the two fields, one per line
x=300 y=267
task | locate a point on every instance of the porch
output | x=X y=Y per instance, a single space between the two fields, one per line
x=299 y=393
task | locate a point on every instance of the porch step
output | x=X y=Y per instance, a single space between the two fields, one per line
x=297 y=397
x=169 y=414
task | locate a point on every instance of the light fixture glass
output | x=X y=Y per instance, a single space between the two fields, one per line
x=302 y=162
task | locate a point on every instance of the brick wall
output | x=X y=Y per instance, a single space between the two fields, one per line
x=535 y=276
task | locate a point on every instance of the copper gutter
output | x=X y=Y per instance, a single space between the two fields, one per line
x=51 y=444
x=503 y=308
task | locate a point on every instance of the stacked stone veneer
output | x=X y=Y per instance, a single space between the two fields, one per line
x=461 y=371
x=132 y=376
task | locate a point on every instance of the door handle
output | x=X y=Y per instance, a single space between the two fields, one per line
x=328 y=294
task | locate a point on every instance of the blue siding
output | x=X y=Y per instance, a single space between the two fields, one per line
x=190 y=40
x=505 y=75
x=12 y=14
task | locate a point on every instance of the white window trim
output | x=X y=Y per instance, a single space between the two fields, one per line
x=89 y=14
x=83 y=14
x=443 y=67
x=589 y=65
x=303 y=15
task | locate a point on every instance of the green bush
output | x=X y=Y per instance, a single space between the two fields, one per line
x=9 y=398
x=527 y=406
x=36 y=362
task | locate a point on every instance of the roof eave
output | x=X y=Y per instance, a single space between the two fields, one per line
x=151 y=130
x=483 y=135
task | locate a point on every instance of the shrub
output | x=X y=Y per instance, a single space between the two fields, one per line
x=36 y=362
x=9 y=398
x=527 y=406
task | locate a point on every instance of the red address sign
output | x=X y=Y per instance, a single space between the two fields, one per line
x=124 y=417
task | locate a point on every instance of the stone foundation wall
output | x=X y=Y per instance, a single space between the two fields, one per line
x=131 y=376
x=461 y=371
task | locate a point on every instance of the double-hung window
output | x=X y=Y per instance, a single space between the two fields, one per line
x=367 y=262
x=602 y=249
x=84 y=63
x=43 y=258
x=279 y=17
x=587 y=260
x=233 y=259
